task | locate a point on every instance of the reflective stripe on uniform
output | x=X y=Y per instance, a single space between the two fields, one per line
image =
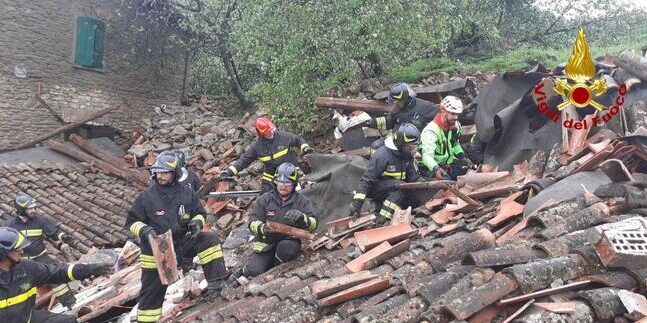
x=149 y=315
x=147 y=261
x=386 y=213
x=60 y=235
x=70 y=274
x=208 y=255
x=136 y=227
x=395 y=175
x=200 y=218
x=60 y=290
x=312 y=223
x=381 y=123
x=267 y=177
x=18 y=298
x=254 y=227
x=391 y=205
x=274 y=156
x=359 y=196
x=259 y=246
x=38 y=255
x=233 y=170
x=32 y=232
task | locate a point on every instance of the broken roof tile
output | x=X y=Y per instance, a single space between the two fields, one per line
x=393 y=234
x=367 y=288
x=328 y=287
x=474 y=301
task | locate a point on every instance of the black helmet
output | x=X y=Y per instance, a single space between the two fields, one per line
x=286 y=173
x=401 y=92
x=24 y=202
x=406 y=134
x=181 y=157
x=165 y=162
x=10 y=240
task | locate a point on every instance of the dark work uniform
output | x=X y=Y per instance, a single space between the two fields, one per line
x=271 y=249
x=18 y=290
x=387 y=169
x=192 y=180
x=272 y=153
x=35 y=230
x=171 y=208
x=419 y=113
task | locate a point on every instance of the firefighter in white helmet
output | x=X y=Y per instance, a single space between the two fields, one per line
x=442 y=154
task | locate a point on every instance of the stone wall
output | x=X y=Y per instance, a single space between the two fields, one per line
x=39 y=36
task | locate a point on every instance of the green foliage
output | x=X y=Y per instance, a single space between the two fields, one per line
x=286 y=53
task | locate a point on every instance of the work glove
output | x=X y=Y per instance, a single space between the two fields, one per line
x=68 y=300
x=295 y=218
x=195 y=226
x=145 y=232
x=308 y=150
x=225 y=174
x=381 y=220
x=440 y=173
x=67 y=239
x=356 y=207
x=100 y=269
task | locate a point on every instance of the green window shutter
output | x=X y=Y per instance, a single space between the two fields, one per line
x=99 y=36
x=90 y=35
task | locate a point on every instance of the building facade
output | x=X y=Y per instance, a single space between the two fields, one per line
x=80 y=56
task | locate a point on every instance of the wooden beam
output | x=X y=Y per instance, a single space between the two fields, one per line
x=64 y=128
x=164 y=253
x=354 y=104
x=288 y=230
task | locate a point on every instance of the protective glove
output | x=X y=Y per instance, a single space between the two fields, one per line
x=440 y=173
x=381 y=220
x=356 y=207
x=145 y=232
x=68 y=300
x=100 y=269
x=67 y=239
x=195 y=226
x=296 y=218
x=225 y=174
x=308 y=150
x=467 y=163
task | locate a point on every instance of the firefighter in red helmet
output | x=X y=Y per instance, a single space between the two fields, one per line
x=272 y=148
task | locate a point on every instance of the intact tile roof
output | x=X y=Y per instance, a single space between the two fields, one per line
x=88 y=205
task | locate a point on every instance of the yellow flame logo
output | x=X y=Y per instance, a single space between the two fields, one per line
x=580 y=69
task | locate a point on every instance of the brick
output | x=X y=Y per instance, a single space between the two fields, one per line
x=626 y=249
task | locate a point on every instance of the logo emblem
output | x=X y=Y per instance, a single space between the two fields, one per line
x=160 y=212
x=579 y=88
x=25 y=287
x=270 y=213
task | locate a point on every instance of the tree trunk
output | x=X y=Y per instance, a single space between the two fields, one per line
x=184 y=99
x=234 y=85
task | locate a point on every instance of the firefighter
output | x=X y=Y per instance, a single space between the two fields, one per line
x=272 y=148
x=442 y=154
x=20 y=278
x=409 y=109
x=36 y=229
x=169 y=205
x=187 y=175
x=283 y=205
x=390 y=165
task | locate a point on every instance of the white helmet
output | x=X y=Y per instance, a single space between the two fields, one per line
x=452 y=104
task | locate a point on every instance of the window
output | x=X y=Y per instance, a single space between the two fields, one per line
x=90 y=35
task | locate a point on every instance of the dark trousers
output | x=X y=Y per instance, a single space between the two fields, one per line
x=282 y=251
x=62 y=291
x=42 y=316
x=387 y=193
x=205 y=245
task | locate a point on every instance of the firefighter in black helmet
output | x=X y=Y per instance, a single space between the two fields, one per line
x=283 y=205
x=390 y=165
x=36 y=228
x=169 y=205
x=410 y=109
x=187 y=175
x=20 y=278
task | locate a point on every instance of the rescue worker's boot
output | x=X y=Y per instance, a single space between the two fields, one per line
x=215 y=273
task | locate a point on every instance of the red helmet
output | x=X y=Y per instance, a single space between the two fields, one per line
x=264 y=127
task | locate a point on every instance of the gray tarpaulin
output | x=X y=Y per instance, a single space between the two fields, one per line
x=568 y=188
x=336 y=177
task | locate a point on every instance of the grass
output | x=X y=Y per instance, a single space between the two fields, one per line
x=516 y=59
